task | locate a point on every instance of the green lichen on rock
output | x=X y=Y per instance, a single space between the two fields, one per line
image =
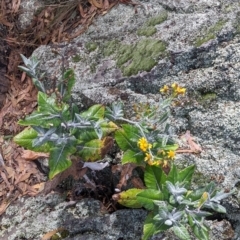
x=91 y=46
x=149 y=27
x=211 y=33
x=93 y=67
x=146 y=31
x=142 y=56
x=207 y=98
x=237 y=23
x=157 y=19
x=110 y=47
x=76 y=58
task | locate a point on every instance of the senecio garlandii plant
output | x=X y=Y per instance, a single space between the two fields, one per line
x=59 y=128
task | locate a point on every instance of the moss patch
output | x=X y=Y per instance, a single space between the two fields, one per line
x=237 y=23
x=146 y=31
x=149 y=27
x=142 y=56
x=157 y=19
x=211 y=33
x=205 y=99
x=110 y=47
x=91 y=46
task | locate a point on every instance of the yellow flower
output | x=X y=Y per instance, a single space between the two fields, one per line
x=180 y=90
x=165 y=163
x=143 y=144
x=174 y=86
x=165 y=89
x=171 y=154
x=148 y=157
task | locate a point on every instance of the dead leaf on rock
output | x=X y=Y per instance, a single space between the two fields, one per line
x=49 y=235
x=188 y=140
x=31 y=155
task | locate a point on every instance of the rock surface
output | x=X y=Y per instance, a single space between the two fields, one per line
x=129 y=53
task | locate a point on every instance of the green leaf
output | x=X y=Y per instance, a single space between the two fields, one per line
x=132 y=132
x=47 y=104
x=48 y=113
x=186 y=174
x=173 y=174
x=108 y=127
x=128 y=198
x=127 y=137
x=149 y=227
x=169 y=147
x=86 y=135
x=216 y=207
x=41 y=119
x=59 y=159
x=96 y=149
x=211 y=189
x=26 y=138
x=148 y=196
x=132 y=157
x=95 y=111
x=181 y=232
x=201 y=232
x=154 y=177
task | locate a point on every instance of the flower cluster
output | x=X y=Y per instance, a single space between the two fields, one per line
x=161 y=159
x=144 y=145
x=175 y=90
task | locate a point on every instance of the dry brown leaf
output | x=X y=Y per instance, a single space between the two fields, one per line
x=137 y=183
x=5 y=179
x=25 y=175
x=96 y=3
x=23 y=187
x=31 y=155
x=15 y=5
x=4 y=206
x=106 y=4
x=39 y=186
x=81 y=11
x=126 y=173
x=194 y=147
x=48 y=235
x=11 y=172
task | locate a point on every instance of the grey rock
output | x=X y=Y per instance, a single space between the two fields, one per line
x=33 y=217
